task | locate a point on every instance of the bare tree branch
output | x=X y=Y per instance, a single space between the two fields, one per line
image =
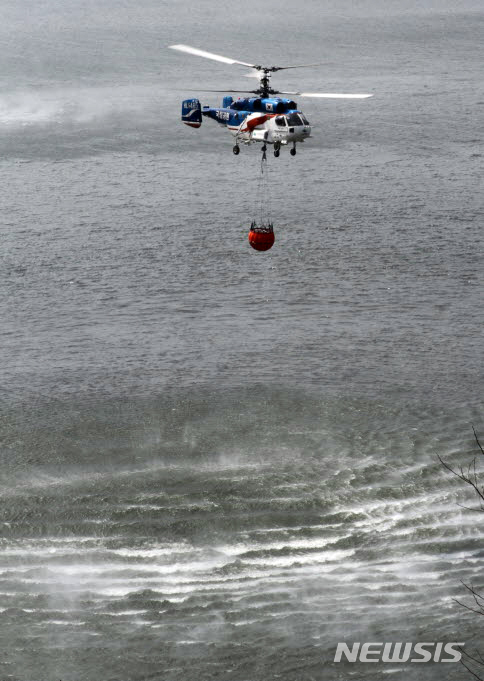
x=470 y=477
x=479 y=678
x=468 y=607
x=468 y=508
x=477 y=440
x=470 y=588
x=464 y=652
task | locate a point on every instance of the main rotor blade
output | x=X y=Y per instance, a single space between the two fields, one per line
x=298 y=66
x=252 y=92
x=207 y=55
x=327 y=95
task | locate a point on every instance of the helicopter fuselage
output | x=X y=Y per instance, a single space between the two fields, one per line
x=267 y=120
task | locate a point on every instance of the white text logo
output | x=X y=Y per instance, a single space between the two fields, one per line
x=399 y=652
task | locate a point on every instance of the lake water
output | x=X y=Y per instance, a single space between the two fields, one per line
x=218 y=463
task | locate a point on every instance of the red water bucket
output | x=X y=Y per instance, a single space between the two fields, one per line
x=261 y=238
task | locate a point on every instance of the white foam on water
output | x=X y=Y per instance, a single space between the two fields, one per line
x=123 y=613
x=48 y=551
x=66 y=623
x=240 y=549
x=88 y=571
x=144 y=507
x=112 y=592
x=286 y=561
x=189 y=643
x=295 y=528
x=163 y=550
x=224 y=582
x=70 y=540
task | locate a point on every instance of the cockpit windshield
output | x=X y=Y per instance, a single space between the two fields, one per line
x=293 y=119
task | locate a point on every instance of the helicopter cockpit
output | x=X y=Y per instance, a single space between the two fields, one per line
x=292 y=120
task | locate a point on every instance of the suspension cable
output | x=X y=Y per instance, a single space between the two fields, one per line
x=263 y=195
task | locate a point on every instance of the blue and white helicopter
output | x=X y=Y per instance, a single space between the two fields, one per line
x=264 y=118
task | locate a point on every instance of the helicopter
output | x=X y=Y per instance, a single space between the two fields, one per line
x=265 y=117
